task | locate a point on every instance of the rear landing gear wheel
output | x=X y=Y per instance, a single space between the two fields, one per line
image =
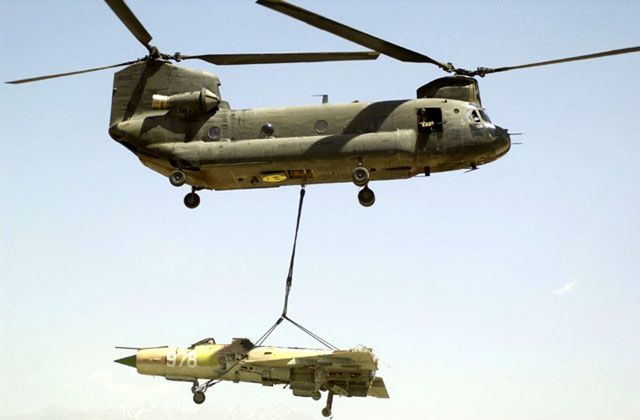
x=326 y=411
x=177 y=178
x=316 y=396
x=366 y=197
x=360 y=176
x=198 y=397
x=192 y=200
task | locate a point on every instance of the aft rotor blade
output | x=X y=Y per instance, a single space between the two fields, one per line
x=351 y=34
x=483 y=70
x=130 y=20
x=71 y=73
x=236 y=59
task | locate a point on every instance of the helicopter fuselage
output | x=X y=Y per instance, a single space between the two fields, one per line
x=254 y=148
x=226 y=149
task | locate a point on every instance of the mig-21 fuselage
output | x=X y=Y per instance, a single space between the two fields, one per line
x=308 y=372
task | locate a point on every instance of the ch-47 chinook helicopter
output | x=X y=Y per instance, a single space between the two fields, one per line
x=175 y=121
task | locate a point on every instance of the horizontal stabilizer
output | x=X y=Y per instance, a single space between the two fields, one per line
x=377 y=388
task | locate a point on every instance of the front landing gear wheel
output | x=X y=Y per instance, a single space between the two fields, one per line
x=316 y=396
x=360 y=176
x=366 y=197
x=198 y=397
x=192 y=200
x=177 y=178
x=326 y=412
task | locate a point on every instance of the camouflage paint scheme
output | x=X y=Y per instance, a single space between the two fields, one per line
x=175 y=121
x=349 y=373
x=309 y=144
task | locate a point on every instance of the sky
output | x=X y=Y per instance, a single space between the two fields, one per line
x=508 y=292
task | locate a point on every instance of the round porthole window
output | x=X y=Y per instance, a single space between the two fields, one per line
x=268 y=129
x=321 y=126
x=456 y=110
x=214 y=133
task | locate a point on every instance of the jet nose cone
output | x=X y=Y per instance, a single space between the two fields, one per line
x=127 y=361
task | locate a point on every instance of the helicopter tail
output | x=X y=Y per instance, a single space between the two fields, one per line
x=135 y=85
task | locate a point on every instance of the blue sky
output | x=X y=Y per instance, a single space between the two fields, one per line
x=509 y=292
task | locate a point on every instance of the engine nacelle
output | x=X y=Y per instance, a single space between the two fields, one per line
x=189 y=103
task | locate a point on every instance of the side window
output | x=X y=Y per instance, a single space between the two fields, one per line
x=475 y=117
x=429 y=120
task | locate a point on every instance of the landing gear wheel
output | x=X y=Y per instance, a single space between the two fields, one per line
x=198 y=397
x=366 y=197
x=192 y=200
x=177 y=178
x=360 y=176
x=316 y=396
x=326 y=411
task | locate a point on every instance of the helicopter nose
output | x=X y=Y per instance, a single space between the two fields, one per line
x=503 y=141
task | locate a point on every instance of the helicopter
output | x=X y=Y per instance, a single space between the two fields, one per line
x=175 y=120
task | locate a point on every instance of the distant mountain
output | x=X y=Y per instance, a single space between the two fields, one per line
x=157 y=413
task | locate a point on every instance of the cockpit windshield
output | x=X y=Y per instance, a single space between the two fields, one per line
x=478 y=115
x=204 y=341
x=485 y=116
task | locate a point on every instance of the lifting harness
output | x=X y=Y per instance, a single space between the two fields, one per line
x=283 y=316
x=289 y=282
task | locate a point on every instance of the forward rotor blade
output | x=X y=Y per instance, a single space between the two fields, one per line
x=483 y=70
x=130 y=20
x=71 y=73
x=351 y=34
x=236 y=59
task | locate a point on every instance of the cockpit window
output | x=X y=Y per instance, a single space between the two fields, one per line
x=479 y=115
x=204 y=341
x=485 y=116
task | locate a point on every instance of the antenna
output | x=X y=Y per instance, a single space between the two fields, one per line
x=325 y=97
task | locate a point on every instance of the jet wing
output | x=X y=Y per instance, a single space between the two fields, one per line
x=319 y=361
x=301 y=361
x=355 y=359
x=339 y=359
x=377 y=388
